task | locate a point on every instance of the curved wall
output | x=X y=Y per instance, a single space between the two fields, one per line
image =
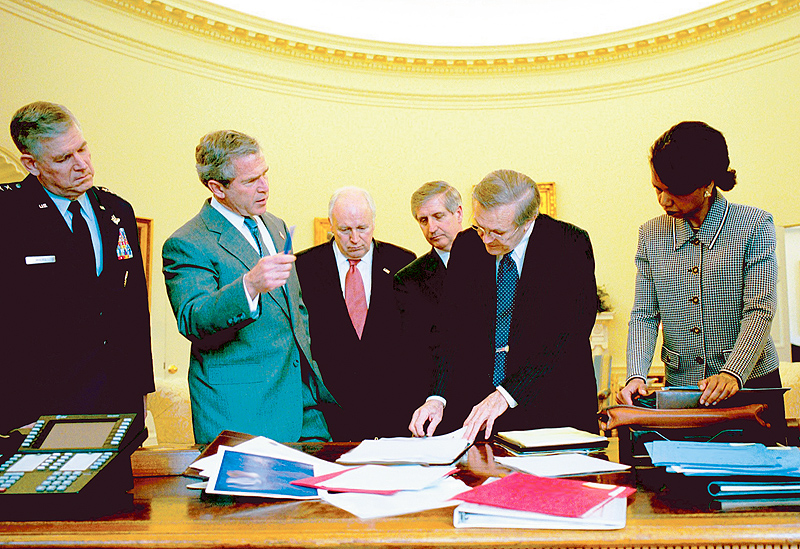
x=147 y=79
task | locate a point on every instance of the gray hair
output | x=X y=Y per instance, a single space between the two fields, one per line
x=38 y=121
x=217 y=150
x=452 y=198
x=357 y=190
x=509 y=187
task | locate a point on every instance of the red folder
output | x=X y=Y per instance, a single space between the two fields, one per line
x=548 y=496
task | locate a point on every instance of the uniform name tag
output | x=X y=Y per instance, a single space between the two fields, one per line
x=37 y=259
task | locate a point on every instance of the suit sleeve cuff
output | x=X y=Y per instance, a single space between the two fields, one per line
x=506 y=395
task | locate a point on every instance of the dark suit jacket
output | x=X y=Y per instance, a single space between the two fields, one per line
x=418 y=289
x=365 y=375
x=251 y=375
x=549 y=365
x=70 y=344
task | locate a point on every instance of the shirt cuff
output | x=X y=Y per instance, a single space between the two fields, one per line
x=437 y=397
x=252 y=303
x=506 y=395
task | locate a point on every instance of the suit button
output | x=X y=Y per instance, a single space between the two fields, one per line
x=694 y=270
x=696 y=242
x=695 y=330
x=699 y=360
x=695 y=300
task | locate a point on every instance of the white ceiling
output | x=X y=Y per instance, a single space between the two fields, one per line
x=467 y=22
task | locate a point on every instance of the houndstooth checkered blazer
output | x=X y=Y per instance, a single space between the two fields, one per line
x=713 y=293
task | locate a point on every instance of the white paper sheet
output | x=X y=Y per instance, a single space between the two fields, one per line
x=387 y=478
x=369 y=506
x=561 y=465
x=436 y=450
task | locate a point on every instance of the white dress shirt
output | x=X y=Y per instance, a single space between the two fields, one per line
x=364 y=268
x=237 y=221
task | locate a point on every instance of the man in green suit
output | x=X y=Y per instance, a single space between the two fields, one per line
x=234 y=290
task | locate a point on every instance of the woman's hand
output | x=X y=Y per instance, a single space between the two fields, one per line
x=634 y=389
x=717 y=388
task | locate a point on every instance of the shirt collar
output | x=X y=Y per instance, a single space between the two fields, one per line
x=235 y=219
x=710 y=229
x=62 y=203
x=444 y=256
x=366 y=259
x=518 y=253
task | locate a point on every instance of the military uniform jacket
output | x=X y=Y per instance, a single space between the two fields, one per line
x=245 y=374
x=713 y=292
x=70 y=344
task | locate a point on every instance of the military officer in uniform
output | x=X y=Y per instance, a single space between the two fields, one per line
x=75 y=322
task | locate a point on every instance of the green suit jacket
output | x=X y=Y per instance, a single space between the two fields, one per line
x=250 y=375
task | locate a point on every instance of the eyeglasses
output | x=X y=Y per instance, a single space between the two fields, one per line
x=495 y=235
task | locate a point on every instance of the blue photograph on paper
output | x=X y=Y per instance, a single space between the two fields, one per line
x=252 y=475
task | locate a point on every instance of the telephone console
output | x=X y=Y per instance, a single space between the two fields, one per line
x=69 y=464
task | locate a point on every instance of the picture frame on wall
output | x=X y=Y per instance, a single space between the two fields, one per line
x=144 y=228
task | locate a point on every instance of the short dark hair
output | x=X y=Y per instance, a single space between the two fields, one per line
x=38 y=121
x=216 y=151
x=690 y=155
x=452 y=198
x=509 y=187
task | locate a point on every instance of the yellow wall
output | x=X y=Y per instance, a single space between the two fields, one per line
x=143 y=109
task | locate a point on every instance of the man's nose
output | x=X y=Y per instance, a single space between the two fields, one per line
x=664 y=199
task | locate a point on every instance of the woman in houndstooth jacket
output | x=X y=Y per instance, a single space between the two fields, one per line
x=706 y=271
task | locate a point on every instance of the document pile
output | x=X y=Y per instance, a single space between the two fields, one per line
x=527 y=501
x=735 y=475
x=261 y=467
x=551 y=440
x=438 y=450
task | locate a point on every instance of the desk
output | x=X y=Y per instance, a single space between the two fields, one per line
x=167 y=514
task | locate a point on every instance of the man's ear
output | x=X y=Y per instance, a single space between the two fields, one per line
x=30 y=164
x=459 y=213
x=217 y=189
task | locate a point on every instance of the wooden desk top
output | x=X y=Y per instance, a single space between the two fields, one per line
x=167 y=514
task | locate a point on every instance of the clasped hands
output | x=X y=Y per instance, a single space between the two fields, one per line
x=269 y=273
x=715 y=389
x=483 y=415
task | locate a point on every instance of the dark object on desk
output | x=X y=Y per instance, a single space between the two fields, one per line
x=71 y=467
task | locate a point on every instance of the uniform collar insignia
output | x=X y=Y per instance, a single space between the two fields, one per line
x=43 y=205
x=115 y=219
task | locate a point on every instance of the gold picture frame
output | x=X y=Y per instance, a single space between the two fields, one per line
x=322 y=230
x=144 y=228
x=547 y=192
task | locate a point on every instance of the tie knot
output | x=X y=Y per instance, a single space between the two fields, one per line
x=74 y=207
x=251 y=223
x=353 y=262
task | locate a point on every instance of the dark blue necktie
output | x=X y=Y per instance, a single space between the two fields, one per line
x=253 y=226
x=507 y=277
x=82 y=239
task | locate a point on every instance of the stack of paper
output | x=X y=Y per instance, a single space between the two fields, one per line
x=527 y=501
x=264 y=468
x=561 y=465
x=551 y=440
x=438 y=450
x=741 y=476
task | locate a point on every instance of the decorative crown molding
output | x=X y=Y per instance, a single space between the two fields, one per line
x=228 y=26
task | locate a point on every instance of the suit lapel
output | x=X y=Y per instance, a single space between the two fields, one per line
x=229 y=237
x=279 y=295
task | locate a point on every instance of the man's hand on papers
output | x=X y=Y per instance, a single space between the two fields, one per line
x=635 y=388
x=484 y=414
x=269 y=273
x=717 y=388
x=431 y=413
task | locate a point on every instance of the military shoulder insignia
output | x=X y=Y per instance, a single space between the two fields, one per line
x=6 y=187
x=124 y=250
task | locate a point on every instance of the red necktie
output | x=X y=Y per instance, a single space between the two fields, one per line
x=355 y=298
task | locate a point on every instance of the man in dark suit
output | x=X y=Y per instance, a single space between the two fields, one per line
x=235 y=294
x=75 y=323
x=520 y=298
x=436 y=206
x=347 y=286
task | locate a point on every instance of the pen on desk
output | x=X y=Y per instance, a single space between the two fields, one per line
x=287 y=246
